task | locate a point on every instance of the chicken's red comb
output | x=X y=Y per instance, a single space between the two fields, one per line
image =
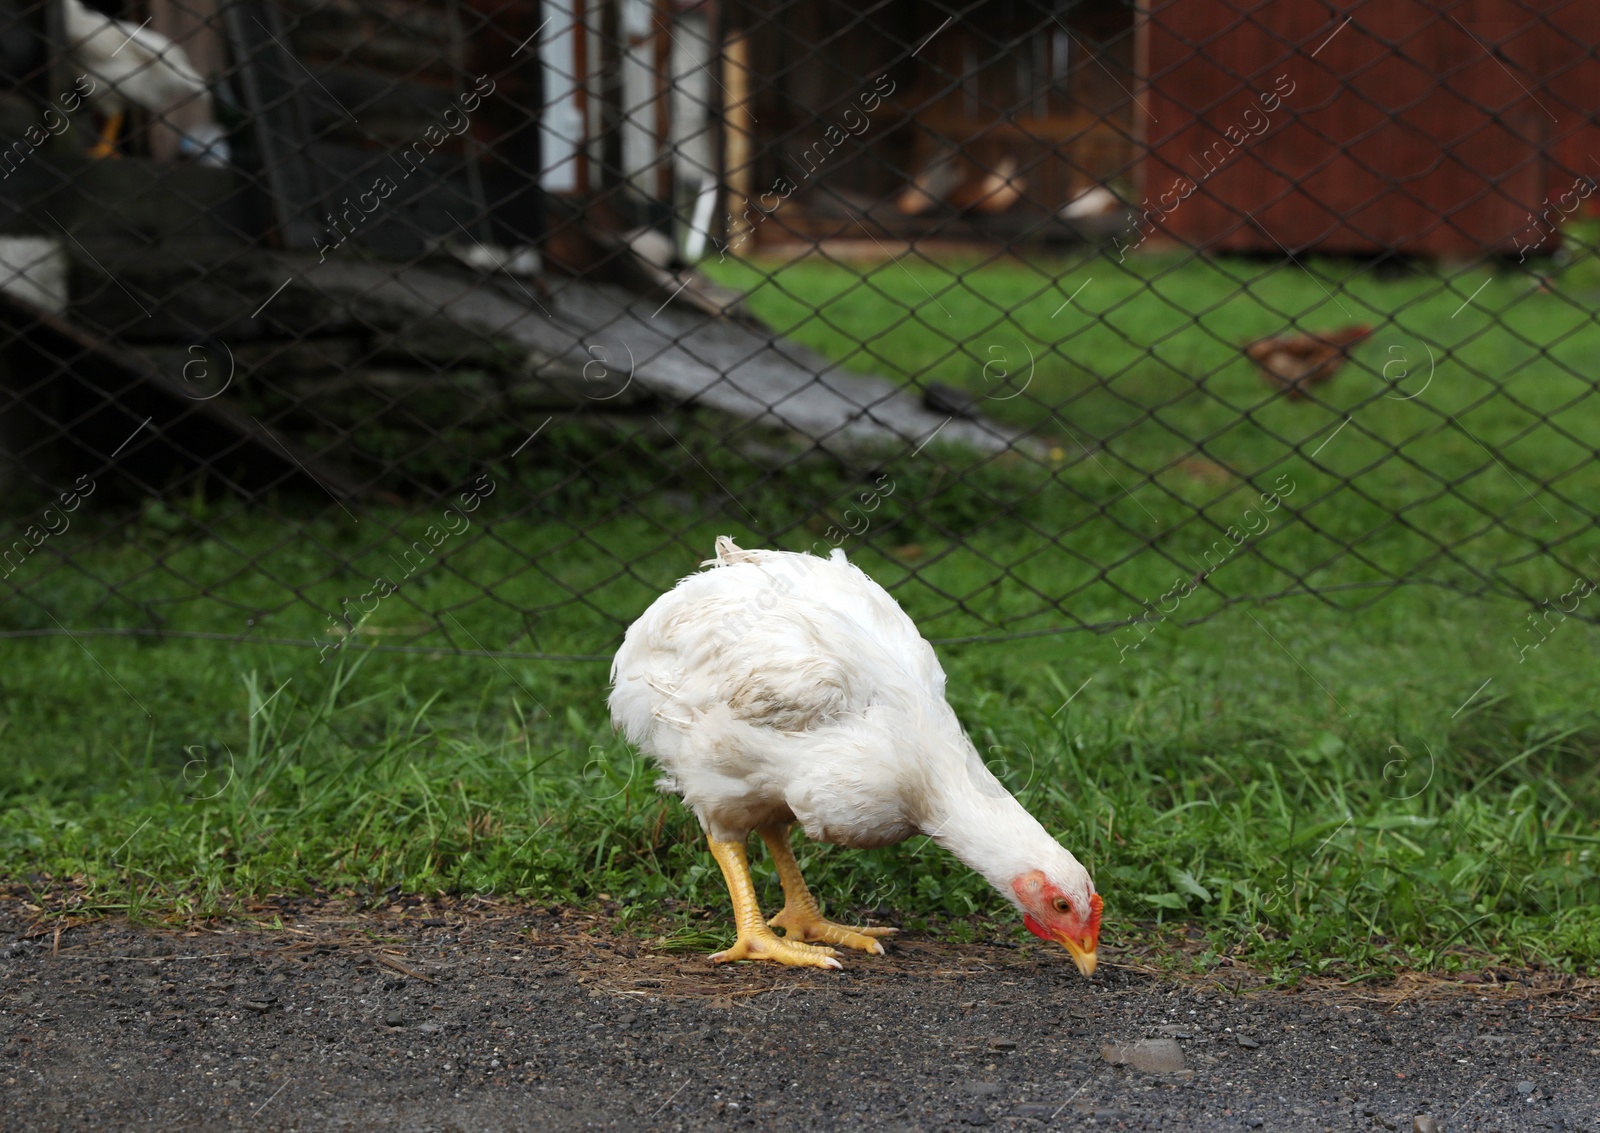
x=1095 y=905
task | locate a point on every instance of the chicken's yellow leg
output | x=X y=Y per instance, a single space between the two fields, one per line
x=757 y=941
x=801 y=919
x=107 y=145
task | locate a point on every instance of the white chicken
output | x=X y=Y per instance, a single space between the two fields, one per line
x=130 y=63
x=1097 y=200
x=780 y=687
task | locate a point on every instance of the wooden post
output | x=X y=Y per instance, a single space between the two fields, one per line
x=194 y=26
x=580 y=69
x=662 y=43
x=612 y=50
x=736 y=134
x=1141 y=83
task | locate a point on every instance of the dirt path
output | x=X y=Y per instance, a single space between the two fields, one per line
x=512 y=1019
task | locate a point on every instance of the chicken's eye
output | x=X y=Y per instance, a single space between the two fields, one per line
x=1063 y=905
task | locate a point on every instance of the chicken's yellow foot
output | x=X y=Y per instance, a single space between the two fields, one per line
x=757 y=941
x=801 y=919
x=107 y=145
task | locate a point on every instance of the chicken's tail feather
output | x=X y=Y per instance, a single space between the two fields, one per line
x=728 y=552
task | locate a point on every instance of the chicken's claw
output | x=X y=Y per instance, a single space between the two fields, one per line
x=797 y=926
x=770 y=946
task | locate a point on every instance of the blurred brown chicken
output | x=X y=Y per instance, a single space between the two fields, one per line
x=950 y=180
x=1295 y=362
x=991 y=191
x=938 y=179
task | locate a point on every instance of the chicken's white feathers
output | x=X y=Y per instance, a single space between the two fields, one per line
x=776 y=686
x=129 y=62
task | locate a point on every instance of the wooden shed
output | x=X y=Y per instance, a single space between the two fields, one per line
x=1405 y=127
x=914 y=120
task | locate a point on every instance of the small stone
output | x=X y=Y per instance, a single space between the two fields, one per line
x=977 y=1117
x=430 y=1028
x=980 y=1089
x=1252 y=1123
x=394 y=1019
x=1423 y=1123
x=256 y=1005
x=1149 y=1056
x=1525 y=1087
x=1174 y=1031
x=1248 y=1044
x=1002 y=1044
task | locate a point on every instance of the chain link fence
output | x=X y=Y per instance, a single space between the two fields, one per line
x=465 y=326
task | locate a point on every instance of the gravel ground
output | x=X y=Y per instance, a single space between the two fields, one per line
x=495 y=1017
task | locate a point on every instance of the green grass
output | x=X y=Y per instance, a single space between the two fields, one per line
x=1162 y=435
x=1206 y=775
x=1299 y=778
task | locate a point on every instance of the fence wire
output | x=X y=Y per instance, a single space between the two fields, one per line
x=456 y=326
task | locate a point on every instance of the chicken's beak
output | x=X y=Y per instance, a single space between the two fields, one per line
x=1084 y=949
x=1085 y=958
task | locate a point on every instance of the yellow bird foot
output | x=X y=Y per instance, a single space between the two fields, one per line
x=768 y=945
x=800 y=926
x=107 y=145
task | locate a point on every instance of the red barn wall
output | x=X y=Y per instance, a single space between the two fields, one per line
x=1402 y=133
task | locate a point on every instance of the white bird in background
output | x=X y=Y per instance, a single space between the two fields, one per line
x=779 y=687
x=137 y=65
x=1097 y=200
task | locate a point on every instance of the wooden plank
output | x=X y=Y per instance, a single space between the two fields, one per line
x=680 y=356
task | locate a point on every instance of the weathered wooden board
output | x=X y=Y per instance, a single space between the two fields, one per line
x=597 y=342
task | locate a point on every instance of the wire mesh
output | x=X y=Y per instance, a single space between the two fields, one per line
x=466 y=326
